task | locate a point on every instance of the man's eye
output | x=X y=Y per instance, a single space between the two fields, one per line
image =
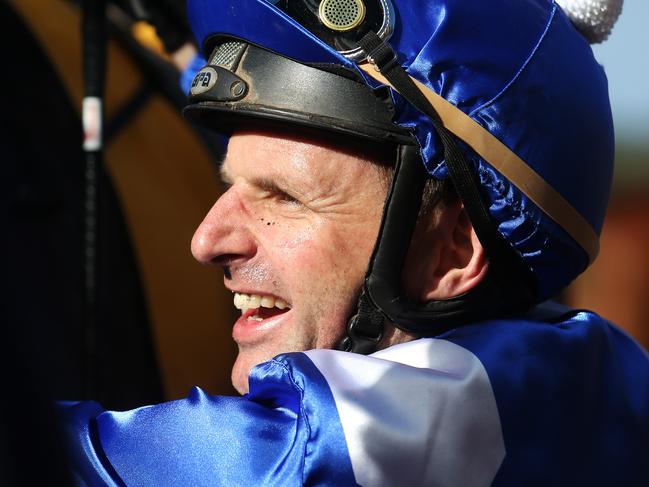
x=286 y=198
x=270 y=191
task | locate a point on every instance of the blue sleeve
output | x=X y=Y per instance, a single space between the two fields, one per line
x=279 y=434
x=200 y=440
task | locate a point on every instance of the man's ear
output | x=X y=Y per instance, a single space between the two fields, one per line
x=445 y=258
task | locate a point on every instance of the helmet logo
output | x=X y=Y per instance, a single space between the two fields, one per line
x=203 y=81
x=341 y=15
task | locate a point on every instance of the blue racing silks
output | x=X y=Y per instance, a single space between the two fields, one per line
x=503 y=402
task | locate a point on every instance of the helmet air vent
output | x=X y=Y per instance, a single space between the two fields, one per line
x=341 y=15
x=228 y=55
x=341 y=23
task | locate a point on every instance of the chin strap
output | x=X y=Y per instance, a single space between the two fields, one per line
x=364 y=329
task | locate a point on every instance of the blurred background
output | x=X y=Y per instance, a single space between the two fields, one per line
x=164 y=321
x=617 y=284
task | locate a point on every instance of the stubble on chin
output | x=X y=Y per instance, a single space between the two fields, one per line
x=239 y=376
x=250 y=356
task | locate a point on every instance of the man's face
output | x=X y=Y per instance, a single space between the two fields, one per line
x=297 y=225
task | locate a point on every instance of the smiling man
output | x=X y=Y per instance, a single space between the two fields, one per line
x=408 y=185
x=294 y=233
x=294 y=236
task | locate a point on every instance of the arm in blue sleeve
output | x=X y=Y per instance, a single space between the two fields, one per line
x=199 y=440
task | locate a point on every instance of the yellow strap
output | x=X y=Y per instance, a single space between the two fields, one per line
x=509 y=165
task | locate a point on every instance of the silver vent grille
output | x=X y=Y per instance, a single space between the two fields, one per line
x=228 y=55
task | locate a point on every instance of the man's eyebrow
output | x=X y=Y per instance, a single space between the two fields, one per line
x=225 y=175
x=269 y=185
x=261 y=182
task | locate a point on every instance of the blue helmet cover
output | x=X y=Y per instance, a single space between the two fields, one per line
x=518 y=68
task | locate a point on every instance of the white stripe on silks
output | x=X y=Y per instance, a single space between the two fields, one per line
x=420 y=413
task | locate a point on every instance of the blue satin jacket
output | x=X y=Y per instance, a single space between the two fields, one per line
x=554 y=400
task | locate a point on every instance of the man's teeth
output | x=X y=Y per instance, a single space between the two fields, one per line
x=245 y=302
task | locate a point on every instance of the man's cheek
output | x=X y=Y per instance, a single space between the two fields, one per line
x=295 y=238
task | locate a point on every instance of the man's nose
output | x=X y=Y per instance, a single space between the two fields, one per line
x=223 y=236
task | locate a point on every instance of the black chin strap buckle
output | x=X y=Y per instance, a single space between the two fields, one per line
x=382 y=57
x=365 y=329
